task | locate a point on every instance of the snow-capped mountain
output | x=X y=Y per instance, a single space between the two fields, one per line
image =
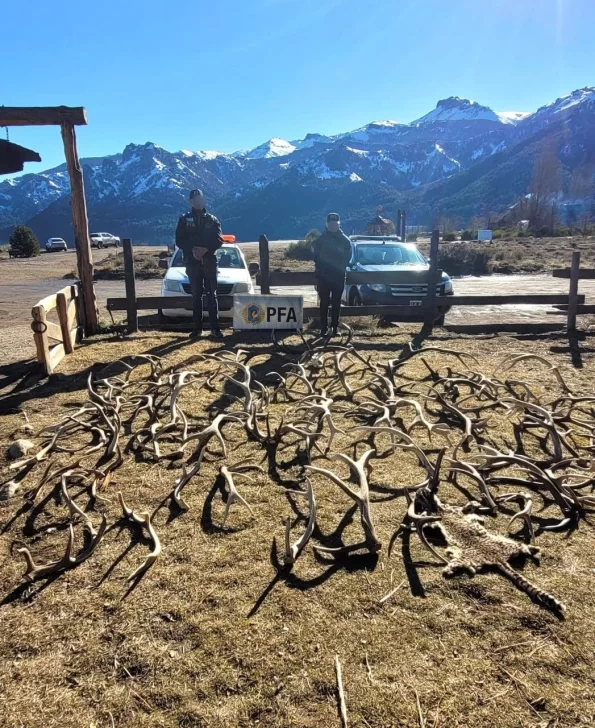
x=275 y=147
x=456 y=109
x=283 y=185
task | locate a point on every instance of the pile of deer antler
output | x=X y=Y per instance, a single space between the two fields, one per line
x=328 y=393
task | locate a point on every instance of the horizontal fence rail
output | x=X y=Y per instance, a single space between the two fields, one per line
x=153 y=303
x=584 y=274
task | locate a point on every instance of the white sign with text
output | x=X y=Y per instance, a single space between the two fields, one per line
x=260 y=313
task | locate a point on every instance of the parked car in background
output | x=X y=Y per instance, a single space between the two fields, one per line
x=104 y=240
x=390 y=254
x=54 y=245
x=233 y=276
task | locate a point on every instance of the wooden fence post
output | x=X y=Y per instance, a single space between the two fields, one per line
x=430 y=313
x=80 y=221
x=42 y=344
x=575 y=270
x=263 y=250
x=130 y=283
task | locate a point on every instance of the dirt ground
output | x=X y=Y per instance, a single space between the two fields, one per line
x=214 y=635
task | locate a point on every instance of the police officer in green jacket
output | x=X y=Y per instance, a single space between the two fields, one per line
x=198 y=234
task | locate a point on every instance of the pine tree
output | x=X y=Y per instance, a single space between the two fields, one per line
x=23 y=243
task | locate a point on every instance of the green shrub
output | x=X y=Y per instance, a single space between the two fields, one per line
x=449 y=237
x=302 y=249
x=411 y=237
x=469 y=235
x=498 y=234
x=23 y=243
x=465 y=259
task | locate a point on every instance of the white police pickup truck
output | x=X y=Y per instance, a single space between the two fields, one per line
x=390 y=254
x=233 y=276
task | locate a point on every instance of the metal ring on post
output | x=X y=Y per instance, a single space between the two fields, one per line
x=39 y=327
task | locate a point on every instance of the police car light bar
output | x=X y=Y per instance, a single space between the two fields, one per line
x=228 y=238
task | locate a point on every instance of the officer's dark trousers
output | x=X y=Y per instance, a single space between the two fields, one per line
x=330 y=290
x=203 y=281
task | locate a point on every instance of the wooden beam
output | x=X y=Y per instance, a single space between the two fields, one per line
x=585 y=274
x=536 y=299
x=580 y=309
x=130 y=283
x=263 y=251
x=42 y=115
x=575 y=269
x=71 y=314
x=63 y=318
x=57 y=353
x=152 y=303
x=54 y=331
x=88 y=308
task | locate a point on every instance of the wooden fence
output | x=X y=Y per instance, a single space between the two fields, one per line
x=424 y=306
x=54 y=341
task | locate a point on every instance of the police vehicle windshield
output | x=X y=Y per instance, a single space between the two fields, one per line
x=382 y=254
x=226 y=258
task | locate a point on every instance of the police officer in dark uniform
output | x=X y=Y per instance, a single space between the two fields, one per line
x=331 y=253
x=199 y=235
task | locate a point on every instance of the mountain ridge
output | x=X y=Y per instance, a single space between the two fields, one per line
x=423 y=165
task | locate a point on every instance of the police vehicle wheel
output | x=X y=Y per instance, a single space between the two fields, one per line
x=161 y=317
x=439 y=321
x=355 y=299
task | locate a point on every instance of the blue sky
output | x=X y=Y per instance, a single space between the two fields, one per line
x=232 y=73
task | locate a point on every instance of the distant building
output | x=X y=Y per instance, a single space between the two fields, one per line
x=380 y=226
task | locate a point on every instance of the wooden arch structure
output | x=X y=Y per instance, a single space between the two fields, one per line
x=67 y=118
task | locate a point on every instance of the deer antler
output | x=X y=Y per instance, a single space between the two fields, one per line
x=534 y=357
x=37 y=571
x=415 y=522
x=409 y=444
x=292 y=551
x=144 y=519
x=421 y=420
x=524 y=514
x=183 y=481
x=459 y=466
x=233 y=494
x=409 y=352
x=361 y=497
x=214 y=430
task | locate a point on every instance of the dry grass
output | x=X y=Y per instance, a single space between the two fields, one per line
x=213 y=636
x=529 y=255
x=111 y=268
